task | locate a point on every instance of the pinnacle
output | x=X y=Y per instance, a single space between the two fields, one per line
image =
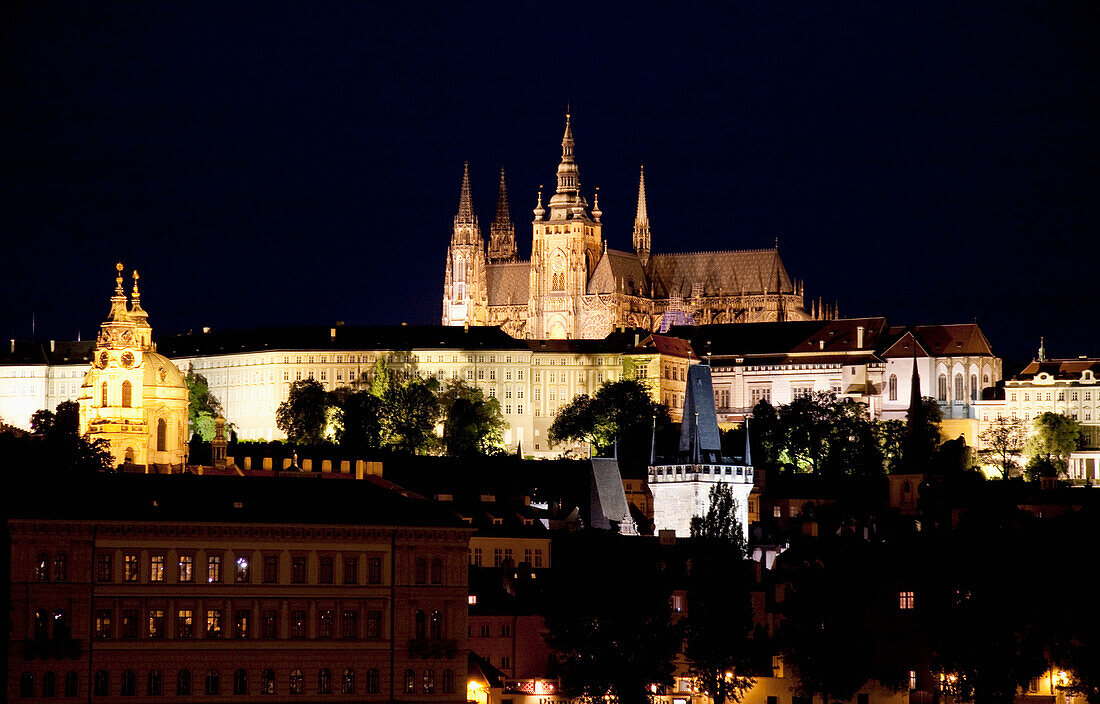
x=503 y=214
x=465 y=199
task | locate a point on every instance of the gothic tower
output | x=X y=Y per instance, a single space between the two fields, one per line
x=133 y=397
x=465 y=299
x=641 y=223
x=567 y=244
x=502 y=233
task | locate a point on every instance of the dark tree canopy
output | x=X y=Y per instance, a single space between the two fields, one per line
x=1002 y=443
x=304 y=415
x=1056 y=436
x=410 y=412
x=202 y=406
x=361 y=421
x=620 y=409
x=472 y=423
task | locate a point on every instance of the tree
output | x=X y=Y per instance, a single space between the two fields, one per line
x=1055 y=437
x=1002 y=442
x=202 y=406
x=716 y=636
x=303 y=416
x=621 y=410
x=409 y=414
x=380 y=378
x=890 y=435
x=828 y=436
x=42 y=421
x=472 y=424
x=57 y=443
x=804 y=424
x=765 y=436
x=361 y=426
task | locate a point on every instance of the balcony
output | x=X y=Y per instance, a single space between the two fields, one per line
x=432 y=648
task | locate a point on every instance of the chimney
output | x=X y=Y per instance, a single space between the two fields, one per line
x=821 y=344
x=53 y=347
x=859 y=337
x=13 y=345
x=636 y=340
x=666 y=536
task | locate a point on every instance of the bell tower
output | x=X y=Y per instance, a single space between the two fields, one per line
x=465 y=298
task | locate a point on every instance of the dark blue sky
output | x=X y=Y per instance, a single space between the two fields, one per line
x=300 y=162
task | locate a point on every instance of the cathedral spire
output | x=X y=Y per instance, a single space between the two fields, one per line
x=502 y=233
x=567 y=201
x=641 y=222
x=136 y=311
x=466 y=230
x=118 y=301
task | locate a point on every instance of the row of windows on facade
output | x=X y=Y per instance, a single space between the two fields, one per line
x=295 y=683
x=425 y=571
x=502 y=557
x=406 y=358
x=1057 y=395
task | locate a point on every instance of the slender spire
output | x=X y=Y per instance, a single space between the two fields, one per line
x=465 y=199
x=1042 y=350
x=136 y=311
x=780 y=313
x=118 y=301
x=567 y=201
x=596 y=212
x=502 y=233
x=642 y=238
x=539 y=211
x=914 y=420
x=748 y=445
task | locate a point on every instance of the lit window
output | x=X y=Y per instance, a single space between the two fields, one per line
x=186 y=566
x=213 y=569
x=156 y=568
x=130 y=568
x=156 y=623
x=905 y=600
x=214 y=623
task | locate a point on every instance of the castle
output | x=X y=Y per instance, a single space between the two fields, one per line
x=575 y=286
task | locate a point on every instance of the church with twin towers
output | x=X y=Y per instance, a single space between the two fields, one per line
x=576 y=287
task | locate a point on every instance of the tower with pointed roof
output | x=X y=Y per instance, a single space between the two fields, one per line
x=641 y=222
x=133 y=397
x=502 y=233
x=465 y=299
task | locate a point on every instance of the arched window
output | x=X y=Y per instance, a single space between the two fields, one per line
x=60 y=567
x=102 y=683
x=942 y=387
x=41 y=624
x=240 y=682
x=374 y=681
x=421 y=571
x=349 y=682
x=324 y=681
x=295 y=681
x=267 y=682
x=410 y=682
x=437 y=570
x=435 y=630
x=183 y=683
x=42 y=567
x=973 y=387
x=129 y=683
x=985 y=380
x=213 y=683
x=162 y=435
x=156 y=684
x=892 y=387
x=60 y=625
x=429 y=681
x=49 y=684
x=128 y=458
x=127 y=394
x=103 y=394
x=71 y=681
x=26 y=685
x=421 y=623
x=960 y=391
x=448 y=681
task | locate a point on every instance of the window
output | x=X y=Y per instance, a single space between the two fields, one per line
x=241 y=620
x=213 y=683
x=298 y=569
x=60 y=567
x=267 y=682
x=941 y=387
x=156 y=623
x=437 y=570
x=348 y=686
x=271 y=569
x=49 y=684
x=429 y=681
x=374 y=570
x=324 y=681
x=448 y=681
x=102 y=623
x=102 y=684
x=127 y=394
x=183 y=683
x=242 y=575
x=974 y=388
x=436 y=626
x=103 y=394
x=296 y=681
x=351 y=624
x=410 y=682
x=905 y=601
x=269 y=627
x=760 y=393
x=129 y=683
x=240 y=682
x=186 y=568
x=71 y=680
x=298 y=624
x=420 y=621
x=26 y=685
x=538 y=557
x=103 y=567
x=213 y=569
x=130 y=568
x=960 y=392
x=505 y=661
x=912 y=680
x=892 y=387
x=374 y=624
x=154 y=686
x=351 y=570
x=156 y=568
x=325 y=625
x=185 y=623
x=475 y=557
x=162 y=435
x=498 y=557
x=421 y=571
x=130 y=624
x=325 y=571
x=214 y=623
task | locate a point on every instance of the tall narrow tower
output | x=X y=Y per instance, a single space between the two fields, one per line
x=465 y=300
x=641 y=223
x=502 y=233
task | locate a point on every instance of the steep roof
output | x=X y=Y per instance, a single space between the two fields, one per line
x=1070 y=369
x=618 y=271
x=940 y=340
x=720 y=273
x=509 y=283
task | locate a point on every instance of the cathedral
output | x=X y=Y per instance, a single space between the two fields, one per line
x=575 y=286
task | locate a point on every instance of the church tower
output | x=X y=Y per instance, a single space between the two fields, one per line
x=465 y=300
x=567 y=243
x=133 y=397
x=641 y=223
x=502 y=233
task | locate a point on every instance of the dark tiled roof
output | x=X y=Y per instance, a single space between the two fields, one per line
x=195 y=499
x=619 y=271
x=508 y=284
x=394 y=337
x=32 y=352
x=720 y=273
x=1060 y=369
x=747 y=338
x=939 y=340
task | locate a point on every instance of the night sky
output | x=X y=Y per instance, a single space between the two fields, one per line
x=267 y=163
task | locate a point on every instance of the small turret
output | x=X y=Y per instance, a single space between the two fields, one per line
x=502 y=233
x=641 y=222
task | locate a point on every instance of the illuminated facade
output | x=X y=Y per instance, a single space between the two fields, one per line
x=34 y=376
x=133 y=397
x=575 y=286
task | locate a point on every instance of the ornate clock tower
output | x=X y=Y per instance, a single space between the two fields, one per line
x=133 y=397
